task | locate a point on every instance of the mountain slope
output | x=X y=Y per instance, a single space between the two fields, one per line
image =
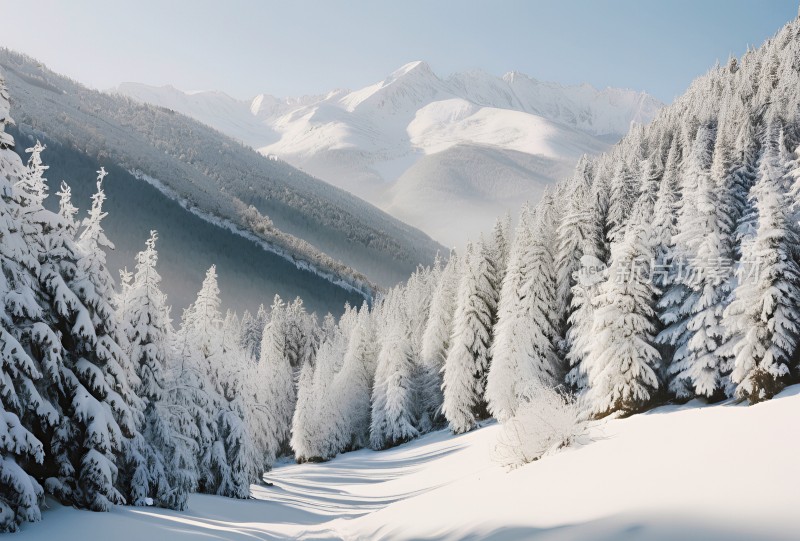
x=187 y=243
x=312 y=223
x=367 y=141
x=448 y=487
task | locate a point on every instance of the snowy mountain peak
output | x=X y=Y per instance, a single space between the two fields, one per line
x=408 y=87
x=414 y=139
x=418 y=67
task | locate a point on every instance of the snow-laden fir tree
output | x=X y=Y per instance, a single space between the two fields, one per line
x=761 y=320
x=623 y=193
x=524 y=352
x=393 y=419
x=666 y=212
x=621 y=363
x=352 y=387
x=96 y=380
x=302 y=439
x=156 y=475
x=252 y=330
x=238 y=413
x=315 y=435
x=575 y=229
x=699 y=288
x=579 y=338
x=275 y=387
x=438 y=331
x=416 y=295
x=201 y=356
x=20 y=493
x=501 y=241
x=468 y=359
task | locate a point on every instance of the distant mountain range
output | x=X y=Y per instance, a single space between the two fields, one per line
x=445 y=155
x=269 y=227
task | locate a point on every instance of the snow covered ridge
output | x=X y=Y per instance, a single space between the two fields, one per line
x=272 y=240
x=415 y=144
x=219 y=175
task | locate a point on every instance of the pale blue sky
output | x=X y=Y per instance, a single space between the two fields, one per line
x=301 y=47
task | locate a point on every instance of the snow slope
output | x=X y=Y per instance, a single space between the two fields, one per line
x=320 y=225
x=724 y=472
x=370 y=140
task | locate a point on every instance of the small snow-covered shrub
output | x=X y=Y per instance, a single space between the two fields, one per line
x=547 y=420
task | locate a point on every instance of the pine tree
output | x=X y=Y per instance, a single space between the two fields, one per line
x=576 y=228
x=96 y=387
x=145 y=315
x=352 y=388
x=252 y=331
x=698 y=292
x=666 y=210
x=760 y=319
x=201 y=358
x=417 y=294
x=392 y=396
x=524 y=352
x=438 y=331
x=468 y=359
x=276 y=388
x=236 y=418
x=579 y=337
x=22 y=407
x=303 y=417
x=621 y=364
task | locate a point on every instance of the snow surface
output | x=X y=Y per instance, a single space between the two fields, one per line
x=677 y=472
x=370 y=140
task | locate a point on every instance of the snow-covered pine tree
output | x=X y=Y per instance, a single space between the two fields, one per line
x=22 y=408
x=469 y=358
x=236 y=418
x=581 y=320
x=144 y=315
x=698 y=290
x=352 y=386
x=417 y=294
x=623 y=194
x=393 y=416
x=96 y=380
x=524 y=350
x=438 y=331
x=302 y=333
x=760 y=320
x=252 y=331
x=303 y=417
x=621 y=363
x=667 y=209
x=328 y=436
x=200 y=356
x=501 y=239
x=576 y=228
x=275 y=387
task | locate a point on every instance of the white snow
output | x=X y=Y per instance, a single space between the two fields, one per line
x=677 y=472
x=370 y=141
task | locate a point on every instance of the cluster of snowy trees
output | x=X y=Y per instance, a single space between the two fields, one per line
x=666 y=269
x=104 y=401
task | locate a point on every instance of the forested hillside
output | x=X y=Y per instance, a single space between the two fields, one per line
x=309 y=220
x=667 y=269
x=188 y=244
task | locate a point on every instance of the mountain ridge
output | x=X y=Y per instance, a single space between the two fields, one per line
x=320 y=225
x=368 y=140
